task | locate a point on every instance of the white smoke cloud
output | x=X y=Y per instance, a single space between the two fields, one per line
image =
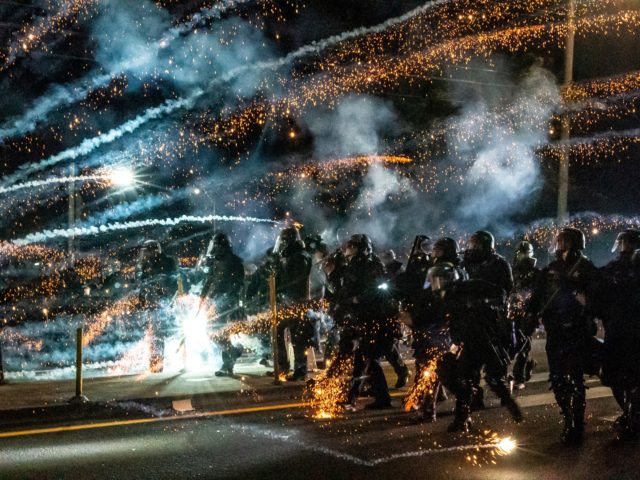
x=499 y=136
x=354 y=128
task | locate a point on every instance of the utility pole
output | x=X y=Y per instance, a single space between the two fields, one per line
x=565 y=132
x=72 y=210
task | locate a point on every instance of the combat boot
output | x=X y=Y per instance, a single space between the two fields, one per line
x=460 y=424
x=403 y=377
x=573 y=431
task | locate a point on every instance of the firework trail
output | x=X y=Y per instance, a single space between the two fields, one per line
x=32 y=35
x=320 y=45
x=129 y=209
x=90 y=144
x=51 y=181
x=330 y=389
x=43 y=106
x=68 y=95
x=205 y=14
x=631 y=133
x=115 y=227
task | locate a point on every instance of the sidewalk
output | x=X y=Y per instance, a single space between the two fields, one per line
x=31 y=402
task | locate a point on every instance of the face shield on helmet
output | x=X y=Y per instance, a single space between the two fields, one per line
x=481 y=244
x=568 y=240
x=445 y=249
x=627 y=241
x=358 y=244
x=439 y=276
x=151 y=248
x=286 y=240
x=219 y=245
x=524 y=253
x=426 y=246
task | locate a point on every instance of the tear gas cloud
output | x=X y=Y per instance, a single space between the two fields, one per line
x=483 y=174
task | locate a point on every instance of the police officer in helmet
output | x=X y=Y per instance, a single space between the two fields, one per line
x=563 y=297
x=621 y=298
x=224 y=286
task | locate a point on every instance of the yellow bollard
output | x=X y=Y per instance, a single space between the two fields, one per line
x=274 y=328
x=79 y=398
x=1 y=363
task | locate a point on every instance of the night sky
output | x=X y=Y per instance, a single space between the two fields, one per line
x=307 y=139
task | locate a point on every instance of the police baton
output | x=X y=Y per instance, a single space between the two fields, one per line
x=555 y=294
x=416 y=245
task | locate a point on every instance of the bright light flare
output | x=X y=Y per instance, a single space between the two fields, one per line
x=122 y=177
x=506 y=446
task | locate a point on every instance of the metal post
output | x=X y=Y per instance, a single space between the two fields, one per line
x=274 y=328
x=565 y=132
x=1 y=362
x=72 y=209
x=79 y=398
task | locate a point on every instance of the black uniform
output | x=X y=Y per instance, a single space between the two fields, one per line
x=394 y=275
x=477 y=324
x=558 y=298
x=292 y=285
x=224 y=285
x=156 y=276
x=342 y=336
x=525 y=275
x=491 y=268
x=621 y=316
x=488 y=266
x=373 y=319
x=431 y=341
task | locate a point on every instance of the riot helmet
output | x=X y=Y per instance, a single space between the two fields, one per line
x=151 y=247
x=424 y=244
x=219 y=245
x=482 y=240
x=315 y=244
x=627 y=241
x=570 y=240
x=441 y=275
x=387 y=256
x=445 y=250
x=524 y=253
x=481 y=245
x=358 y=244
x=289 y=238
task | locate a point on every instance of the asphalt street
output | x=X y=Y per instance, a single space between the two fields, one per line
x=284 y=441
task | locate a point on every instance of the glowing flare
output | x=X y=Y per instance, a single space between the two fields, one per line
x=506 y=445
x=122 y=177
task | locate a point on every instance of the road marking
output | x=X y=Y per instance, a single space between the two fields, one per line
x=140 y=421
x=549 y=399
x=523 y=401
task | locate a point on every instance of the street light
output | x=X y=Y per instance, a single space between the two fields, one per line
x=122 y=177
x=565 y=132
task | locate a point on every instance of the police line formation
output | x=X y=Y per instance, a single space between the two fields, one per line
x=469 y=313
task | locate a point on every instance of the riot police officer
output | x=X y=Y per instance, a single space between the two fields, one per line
x=482 y=262
x=224 y=286
x=293 y=269
x=155 y=273
x=481 y=336
x=392 y=267
x=372 y=315
x=445 y=250
x=525 y=274
x=411 y=280
x=431 y=339
x=562 y=297
x=622 y=331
